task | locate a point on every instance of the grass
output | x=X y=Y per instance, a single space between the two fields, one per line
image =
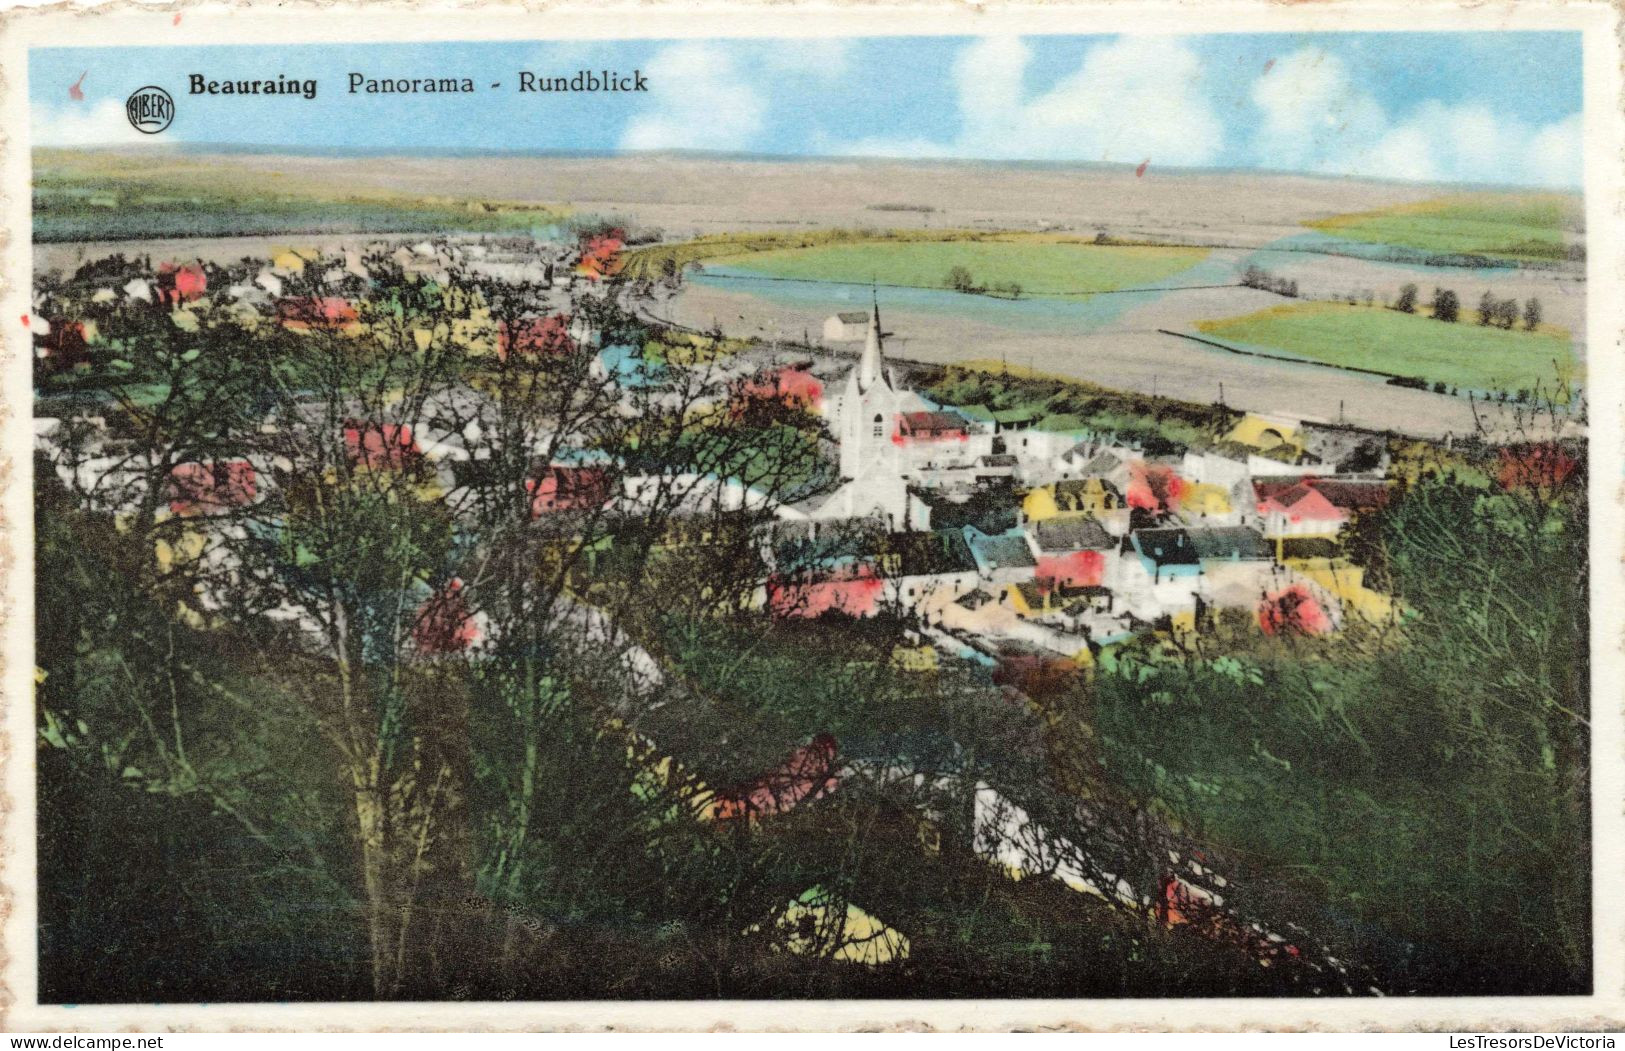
x=1464 y=355
x=749 y=250
x=1040 y=267
x=1529 y=227
x=89 y=196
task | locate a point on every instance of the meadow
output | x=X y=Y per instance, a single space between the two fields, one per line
x=1042 y=264
x=1541 y=227
x=1462 y=355
x=1037 y=266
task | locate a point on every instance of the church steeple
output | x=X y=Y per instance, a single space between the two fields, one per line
x=871 y=367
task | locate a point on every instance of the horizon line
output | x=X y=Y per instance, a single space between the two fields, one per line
x=748 y=156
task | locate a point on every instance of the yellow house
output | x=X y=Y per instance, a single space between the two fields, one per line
x=1205 y=499
x=293 y=259
x=1081 y=496
x=1267 y=433
x=816 y=926
x=1347 y=581
x=476 y=334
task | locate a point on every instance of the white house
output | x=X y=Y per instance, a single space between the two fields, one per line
x=846 y=327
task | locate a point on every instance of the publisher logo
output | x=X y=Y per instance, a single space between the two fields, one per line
x=150 y=110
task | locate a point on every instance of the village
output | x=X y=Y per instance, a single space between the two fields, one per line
x=1081 y=539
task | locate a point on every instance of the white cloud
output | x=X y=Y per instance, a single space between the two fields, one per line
x=83 y=124
x=699 y=98
x=1316 y=119
x=1130 y=99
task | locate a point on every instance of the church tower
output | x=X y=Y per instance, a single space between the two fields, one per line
x=869 y=411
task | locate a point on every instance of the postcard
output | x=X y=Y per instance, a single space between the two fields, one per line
x=1097 y=516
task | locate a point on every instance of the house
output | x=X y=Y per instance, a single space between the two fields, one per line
x=819 y=924
x=380 y=445
x=444 y=624
x=1072 y=496
x=196 y=489
x=793 y=386
x=1071 y=552
x=292 y=260
x=601 y=255
x=179 y=284
x=317 y=314
x=931 y=427
x=1007 y=420
x=937 y=565
x=533 y=336
x=1179 y=551
x=1314 y=507
x=846 y=327
x=1003 y=558
x=855 y=589
x=566 y=488
x=809 y=773
x=1277 y=435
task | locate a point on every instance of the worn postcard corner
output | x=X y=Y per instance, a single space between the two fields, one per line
x=1086 y=516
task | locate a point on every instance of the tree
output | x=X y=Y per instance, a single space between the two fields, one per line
x=1531 y=314
x=1446 y=307
x=1406 y=303
x=1487 y=308
x=960 y=279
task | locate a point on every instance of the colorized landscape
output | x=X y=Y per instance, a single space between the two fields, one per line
x=663 y=574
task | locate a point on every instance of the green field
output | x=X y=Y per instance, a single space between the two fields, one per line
x=1528 y=226
x=1040 y=266
x=1464 y=355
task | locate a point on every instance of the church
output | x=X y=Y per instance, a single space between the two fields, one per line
x=866 y=418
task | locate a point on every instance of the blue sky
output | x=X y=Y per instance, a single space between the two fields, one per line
x=1501 y=108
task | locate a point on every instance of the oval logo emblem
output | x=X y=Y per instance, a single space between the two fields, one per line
x=150 y=109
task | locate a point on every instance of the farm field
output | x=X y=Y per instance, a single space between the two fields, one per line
x=1040 y=267
x=1527 y=227
x=1464 y=355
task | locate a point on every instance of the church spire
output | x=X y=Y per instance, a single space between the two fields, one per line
x=871 y=365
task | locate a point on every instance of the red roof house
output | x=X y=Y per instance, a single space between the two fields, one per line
x=180 y=284
x=792 y=385
x=567 y=489
x=1303 y=505
x=380 y=445
x=930 y=427
x=1154 y=487
x=808 y=774
x=444 y=624
x=601 y=255
x=1071 y=569
x=210 y=488
x=535 y=336
x=853 y=591
x=316 y=314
